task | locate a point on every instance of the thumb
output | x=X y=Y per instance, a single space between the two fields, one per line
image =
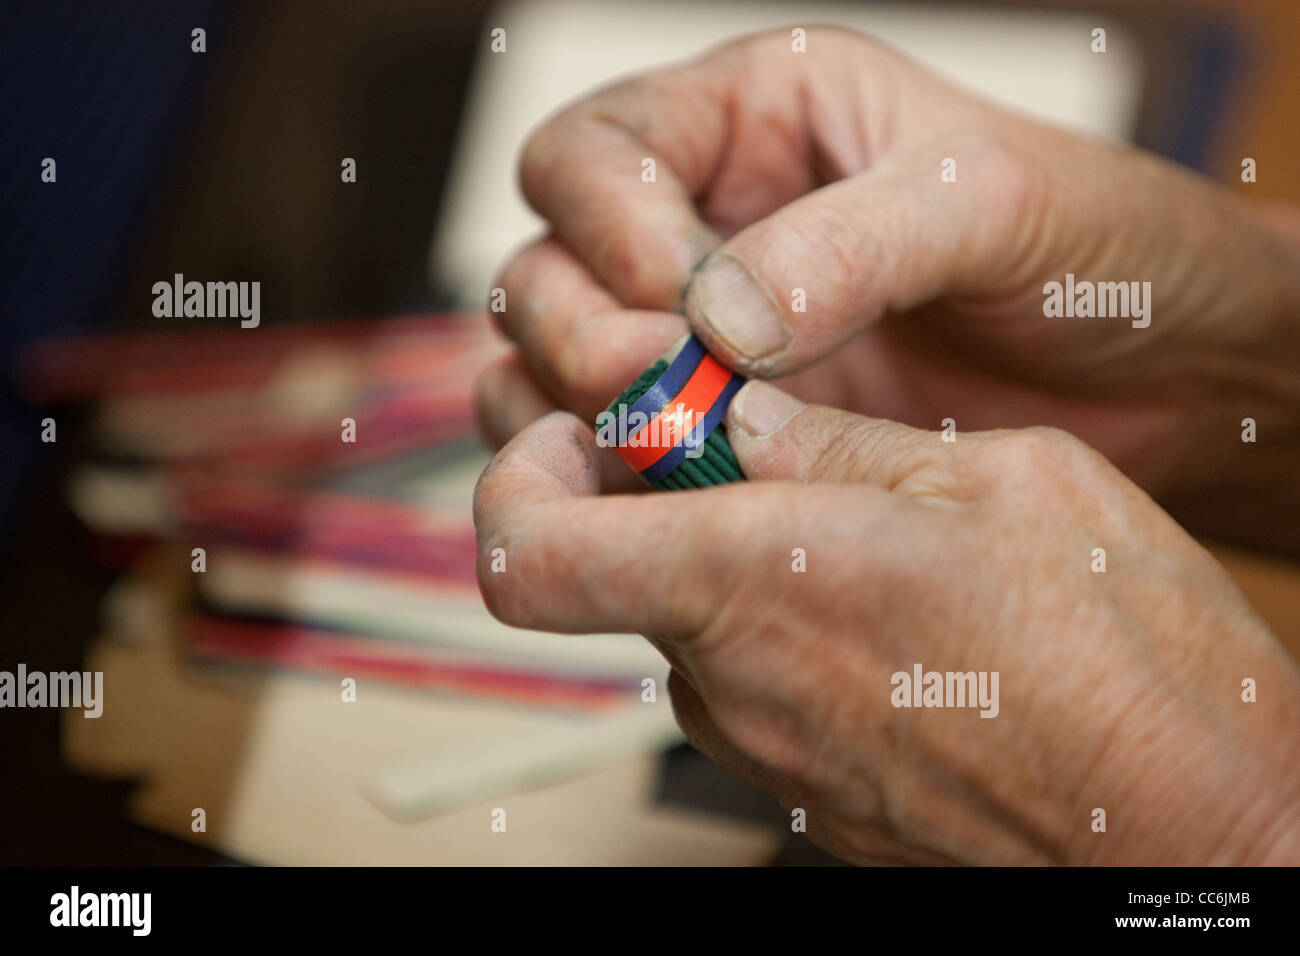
x=795 y=286
x=777 y=437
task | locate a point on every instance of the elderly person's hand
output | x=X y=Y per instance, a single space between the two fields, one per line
x=791 y=605
x=806 y=204
x=816 y=180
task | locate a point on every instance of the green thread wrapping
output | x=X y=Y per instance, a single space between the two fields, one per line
x=716 y=466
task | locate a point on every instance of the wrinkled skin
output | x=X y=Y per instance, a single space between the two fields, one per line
x=1119 y=690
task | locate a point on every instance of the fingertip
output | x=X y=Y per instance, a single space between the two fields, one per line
x=756 y=420
x=554 y=457
x=561 y=447
x=760 y=408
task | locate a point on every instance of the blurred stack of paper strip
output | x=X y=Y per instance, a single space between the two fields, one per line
x=324 y=559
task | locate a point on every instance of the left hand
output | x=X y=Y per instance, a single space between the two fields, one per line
x=1118 y=690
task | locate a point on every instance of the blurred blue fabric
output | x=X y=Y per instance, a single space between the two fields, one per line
x=102 y=89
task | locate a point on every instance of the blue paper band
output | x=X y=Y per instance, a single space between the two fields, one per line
x=711 y=420
x=669 y=384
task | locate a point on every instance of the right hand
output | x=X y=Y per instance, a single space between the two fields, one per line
x=821 y=171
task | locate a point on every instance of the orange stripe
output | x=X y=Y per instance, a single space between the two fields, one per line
x=697 y=395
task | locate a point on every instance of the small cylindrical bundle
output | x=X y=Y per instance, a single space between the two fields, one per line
x=667 y=425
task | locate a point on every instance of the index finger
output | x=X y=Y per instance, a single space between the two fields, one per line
x=635 y=178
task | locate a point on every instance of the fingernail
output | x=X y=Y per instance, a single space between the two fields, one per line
x=731 y=302
x=761 y=409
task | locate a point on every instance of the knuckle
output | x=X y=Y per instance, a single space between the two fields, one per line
x=537 y=160
x=1031 y=453
x=744 y=50
x=575 y=368
x=1022 y=183
x=513 y=275
x=850 y=454
x=488 y=386
x=517 y=279
x=627 y=259
x=571 y=359
x=833 y=34
x=993 y=155
x=1012 y=171
x=850 y=40
x=817 y=234
x=685 y=709
x=766 y=736
x=885 y=453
